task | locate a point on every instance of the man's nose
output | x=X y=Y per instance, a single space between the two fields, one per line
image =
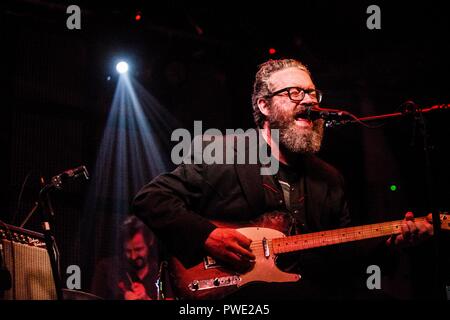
x=308 y=100
x=133 y=255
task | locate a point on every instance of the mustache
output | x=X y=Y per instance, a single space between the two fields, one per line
x=136 y=262
x=303 y=111
x=282 y=119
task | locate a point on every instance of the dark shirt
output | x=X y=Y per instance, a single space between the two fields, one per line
x=113 y=276
x=285 y=192
x=149 y=281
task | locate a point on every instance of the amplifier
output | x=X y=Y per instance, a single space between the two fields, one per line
x=26 y=258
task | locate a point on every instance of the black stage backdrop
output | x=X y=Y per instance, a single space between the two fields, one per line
x=199 y=60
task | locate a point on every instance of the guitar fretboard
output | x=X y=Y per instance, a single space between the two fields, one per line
x=343 y=235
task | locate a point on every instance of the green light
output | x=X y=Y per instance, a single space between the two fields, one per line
x=393 y=187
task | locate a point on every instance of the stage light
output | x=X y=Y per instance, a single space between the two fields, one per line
x=135 y=148
x=272 y=51
x=122 y=67
x=393 y=187
x=138 y=16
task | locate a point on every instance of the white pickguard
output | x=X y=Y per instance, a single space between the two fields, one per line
x=265 y=268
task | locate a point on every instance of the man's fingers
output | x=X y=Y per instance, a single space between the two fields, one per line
x=243 y=252
x=129 y=295
x=236 y=261
x=243 y=240
x=243 y=243
x=240 y=244
x=231 y=247
x=412 y=227
x=399 y=239
x=425 y=229
x=409 y=216
x=413 y=232
x=405 y=230
x=422 y=230
x=135 y=285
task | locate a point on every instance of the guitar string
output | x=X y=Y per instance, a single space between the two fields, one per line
x=337 y=234
x=314 y=242
x=325 y=237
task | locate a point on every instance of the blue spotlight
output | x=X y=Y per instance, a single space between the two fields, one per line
x=122 y=67
x=134 y=149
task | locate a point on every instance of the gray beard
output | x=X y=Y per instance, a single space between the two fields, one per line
x=305 y=142
x=294 y=139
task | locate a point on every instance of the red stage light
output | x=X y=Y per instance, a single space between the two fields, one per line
x=138 y=16
x=272 y=51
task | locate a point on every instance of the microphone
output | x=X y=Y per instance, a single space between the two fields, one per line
x=58 y=180
x=327 y=114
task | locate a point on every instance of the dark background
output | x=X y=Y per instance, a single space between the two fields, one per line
x=199 y=61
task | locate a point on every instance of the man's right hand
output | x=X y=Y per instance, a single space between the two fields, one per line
x=230 y=246
x=137 y=292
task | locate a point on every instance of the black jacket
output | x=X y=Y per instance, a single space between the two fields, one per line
x=177 y=205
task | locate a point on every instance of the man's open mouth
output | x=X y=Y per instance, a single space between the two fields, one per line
x=302 y=120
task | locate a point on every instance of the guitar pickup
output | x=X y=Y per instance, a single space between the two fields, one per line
x=265 y=244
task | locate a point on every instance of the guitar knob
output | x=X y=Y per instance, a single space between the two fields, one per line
x=194 y=285
x=216 y=282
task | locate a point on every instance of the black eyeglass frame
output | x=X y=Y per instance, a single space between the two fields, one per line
x=319 y=94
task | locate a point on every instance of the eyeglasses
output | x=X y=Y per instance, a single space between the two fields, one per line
x=297 y=94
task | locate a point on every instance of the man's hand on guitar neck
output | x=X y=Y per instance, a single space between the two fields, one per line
x=412 y=232
x=230 y=246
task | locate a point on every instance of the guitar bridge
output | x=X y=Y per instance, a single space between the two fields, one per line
x=198 y=285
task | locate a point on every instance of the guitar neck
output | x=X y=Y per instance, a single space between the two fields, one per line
x=331 y=237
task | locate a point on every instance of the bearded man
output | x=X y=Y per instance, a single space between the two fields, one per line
x=305 y=195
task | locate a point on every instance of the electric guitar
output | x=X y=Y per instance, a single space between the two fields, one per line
x=210 y=280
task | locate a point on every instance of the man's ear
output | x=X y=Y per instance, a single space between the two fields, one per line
x=263 y=106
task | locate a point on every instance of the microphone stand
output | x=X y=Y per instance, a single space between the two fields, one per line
x=410 y=108
x=161 y=281
x=48 y=214
x=45 y=207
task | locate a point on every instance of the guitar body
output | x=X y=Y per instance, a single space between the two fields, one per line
x=207 y=280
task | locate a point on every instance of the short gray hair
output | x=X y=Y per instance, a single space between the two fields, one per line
x=261 y=84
